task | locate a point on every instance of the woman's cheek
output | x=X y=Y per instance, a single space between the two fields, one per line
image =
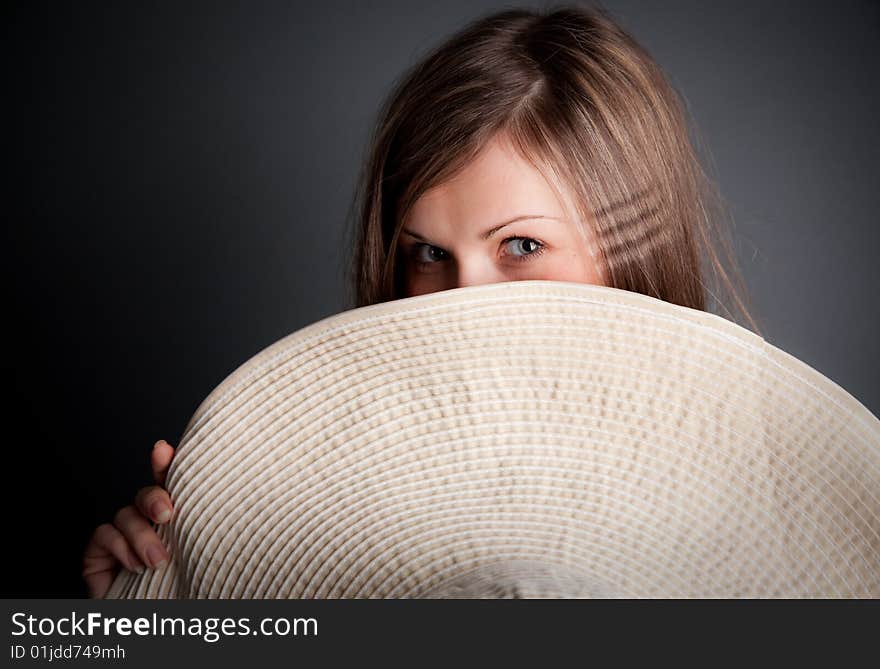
x=420 y=283
x=568 y=267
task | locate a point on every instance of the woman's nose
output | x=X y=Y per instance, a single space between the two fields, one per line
x=476 y=272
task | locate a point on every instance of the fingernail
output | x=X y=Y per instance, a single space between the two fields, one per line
x=136 y=564
x=156 y=445
x=156 y=556
x=160 y=512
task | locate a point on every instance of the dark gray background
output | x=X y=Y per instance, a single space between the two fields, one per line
x=178 y=186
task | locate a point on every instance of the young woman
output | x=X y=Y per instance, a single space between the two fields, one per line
x=530 y=145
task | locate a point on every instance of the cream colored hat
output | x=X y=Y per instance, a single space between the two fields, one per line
x=523 y=439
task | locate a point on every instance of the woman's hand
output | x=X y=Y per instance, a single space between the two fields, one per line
x=130 y=540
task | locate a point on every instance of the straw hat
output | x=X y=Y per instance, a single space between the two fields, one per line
x=523 y=439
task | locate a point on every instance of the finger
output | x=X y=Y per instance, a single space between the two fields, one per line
x=154 y=503
x=160 y=460
x=141 y=536
x=99 y=583
x=106 y=548
x=99 y=573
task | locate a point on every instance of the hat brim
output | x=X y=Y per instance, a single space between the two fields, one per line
x=523 y=439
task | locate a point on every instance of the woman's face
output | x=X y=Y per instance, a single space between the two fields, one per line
x=497 y=220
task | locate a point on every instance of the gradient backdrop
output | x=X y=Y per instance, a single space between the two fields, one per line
x=179 y=179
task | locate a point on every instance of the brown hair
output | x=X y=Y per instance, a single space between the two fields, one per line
x=591 y=110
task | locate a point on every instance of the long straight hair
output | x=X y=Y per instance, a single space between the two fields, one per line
x=588 y=107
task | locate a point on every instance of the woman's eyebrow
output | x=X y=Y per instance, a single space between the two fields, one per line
x=492 y=231
x=524 y=217
x=413 y=234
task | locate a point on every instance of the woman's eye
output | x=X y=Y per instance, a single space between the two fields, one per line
x=427 y=254
x=524 y=248
x=519 y=248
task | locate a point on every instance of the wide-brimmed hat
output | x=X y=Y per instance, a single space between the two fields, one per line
x=523 y=439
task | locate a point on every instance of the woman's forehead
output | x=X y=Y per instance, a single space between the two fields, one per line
x=498 y=184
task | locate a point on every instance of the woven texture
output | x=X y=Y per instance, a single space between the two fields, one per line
x=523 y=439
